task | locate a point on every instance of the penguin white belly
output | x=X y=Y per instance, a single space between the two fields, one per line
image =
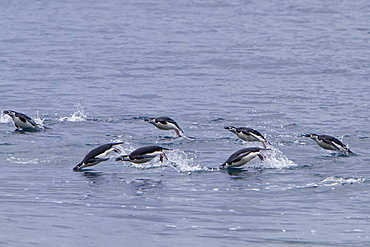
x=247 y=138
x=168 y=126
x=325 y=145
x=23 y=125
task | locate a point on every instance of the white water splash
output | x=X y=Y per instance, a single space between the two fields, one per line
x=77 y=116
x=276 y=159
x=5 y=118
x=182 y=163
x=39 y=121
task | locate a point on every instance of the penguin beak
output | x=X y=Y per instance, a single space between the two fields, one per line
x=77 y=167
x=149 y=120
x=230 y=128
x=222 y=167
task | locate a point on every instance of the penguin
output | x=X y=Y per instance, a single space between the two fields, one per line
x=330 y=143
x=144 y=154
x=243 y=156
x=97 y=155
x=165 y=123
x=248 y=134
x=22 y=121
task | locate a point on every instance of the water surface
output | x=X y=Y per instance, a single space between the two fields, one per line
x=90 y=72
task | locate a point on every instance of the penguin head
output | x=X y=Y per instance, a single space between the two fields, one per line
x=230 y=128
x=9 y=112
x=150 y=120
x=312 y=136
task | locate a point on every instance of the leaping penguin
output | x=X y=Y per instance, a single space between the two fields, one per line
x=330 y=143
x=97 y=155
x=144 y=154
x=165 y=123
x=243 y=156
x=22 y=121
x=248 y=134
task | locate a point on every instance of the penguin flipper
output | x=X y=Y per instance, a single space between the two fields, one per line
x=245 y=133
x=24 y=118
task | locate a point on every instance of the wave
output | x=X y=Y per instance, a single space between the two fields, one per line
x=336 y=180
x=16 y=160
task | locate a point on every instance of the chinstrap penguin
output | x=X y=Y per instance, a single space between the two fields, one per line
x=243 y=156
x=330 y=143
x=97 y=155
x=144 y=154
x=247 y=134
x=22 y=121
x=165 y=123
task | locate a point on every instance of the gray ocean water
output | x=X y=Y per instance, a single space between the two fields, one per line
x=91 y=71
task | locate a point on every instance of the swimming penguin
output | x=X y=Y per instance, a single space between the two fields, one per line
x=248 y=134
x=97 y=155
x=22 y=121
x=329 y=143
x=243 y=156
x=165 y=123
x=144 y=154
